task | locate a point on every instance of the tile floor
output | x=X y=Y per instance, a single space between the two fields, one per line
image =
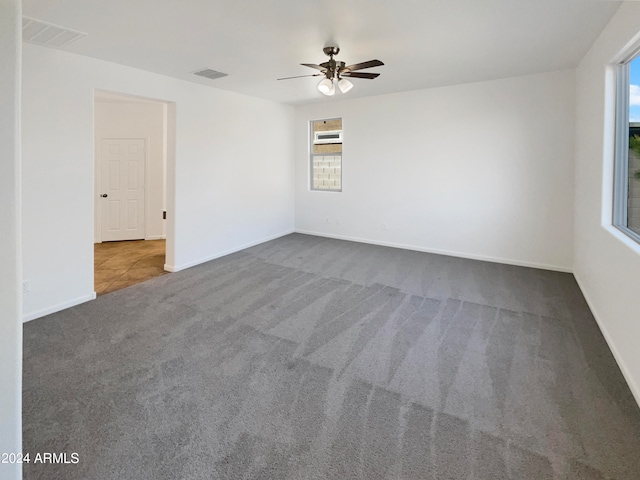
x=122 y=264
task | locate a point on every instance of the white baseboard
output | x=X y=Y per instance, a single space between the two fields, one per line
x=156 y=237
x=177 y=268
x=56 y=308
x=450 y=253
x=633 y=386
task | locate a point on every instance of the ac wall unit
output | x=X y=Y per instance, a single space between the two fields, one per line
x=329 y=136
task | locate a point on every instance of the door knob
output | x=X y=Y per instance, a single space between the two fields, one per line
x=104 y=195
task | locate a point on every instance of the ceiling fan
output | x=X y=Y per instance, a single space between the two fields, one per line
x=336 y=71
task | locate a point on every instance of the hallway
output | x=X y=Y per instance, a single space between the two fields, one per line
x=122 y=264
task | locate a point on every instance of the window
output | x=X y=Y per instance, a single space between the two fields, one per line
x=326 y=155
x=626 y=205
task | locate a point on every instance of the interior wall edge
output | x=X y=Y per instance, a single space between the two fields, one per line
x=11 y=236
x=451 y=253
x=27 y=317
x=184 y=266
x=626 y=372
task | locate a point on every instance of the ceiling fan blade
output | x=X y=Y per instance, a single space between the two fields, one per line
x=300 y=76
x=313 y=65
x=360 y=66
x=359 y=75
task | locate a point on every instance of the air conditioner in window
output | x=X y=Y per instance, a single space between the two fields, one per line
x=328 y=136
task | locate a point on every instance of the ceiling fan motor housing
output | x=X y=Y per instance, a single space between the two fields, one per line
x=333 y=67
x=330 y=51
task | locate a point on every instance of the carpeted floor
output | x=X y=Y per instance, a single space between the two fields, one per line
x=313 y=358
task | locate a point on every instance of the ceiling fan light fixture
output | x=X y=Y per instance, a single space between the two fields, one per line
x=326 y=87
x=345 y=85
x=333 y=70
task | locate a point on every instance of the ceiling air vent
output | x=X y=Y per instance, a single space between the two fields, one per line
x=210 y=74
x=47 y=34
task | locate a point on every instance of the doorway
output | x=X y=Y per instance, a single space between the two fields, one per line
x=121 y=264
x=133 y=147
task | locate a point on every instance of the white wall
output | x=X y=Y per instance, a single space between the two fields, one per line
x=606 y=263
x=10 y=258
x=116 y=119
x=230 y=186
x=481 y=170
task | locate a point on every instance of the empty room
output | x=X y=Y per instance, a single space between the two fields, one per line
x=400 y=240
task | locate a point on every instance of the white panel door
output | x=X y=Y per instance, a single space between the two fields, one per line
x=122 y=196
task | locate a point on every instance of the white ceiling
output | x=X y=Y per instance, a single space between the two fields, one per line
x=423 y=43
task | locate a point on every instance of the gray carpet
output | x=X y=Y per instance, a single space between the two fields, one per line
x=312 y=358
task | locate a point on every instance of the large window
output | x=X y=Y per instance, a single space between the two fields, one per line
x=626 y=211
x=326 y=155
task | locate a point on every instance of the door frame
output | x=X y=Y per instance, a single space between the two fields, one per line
x=170 y=148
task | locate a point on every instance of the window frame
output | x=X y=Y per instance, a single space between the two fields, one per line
x=620 y=217
x=313 y=155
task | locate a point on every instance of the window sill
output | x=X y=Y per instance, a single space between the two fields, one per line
x=626 y=236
